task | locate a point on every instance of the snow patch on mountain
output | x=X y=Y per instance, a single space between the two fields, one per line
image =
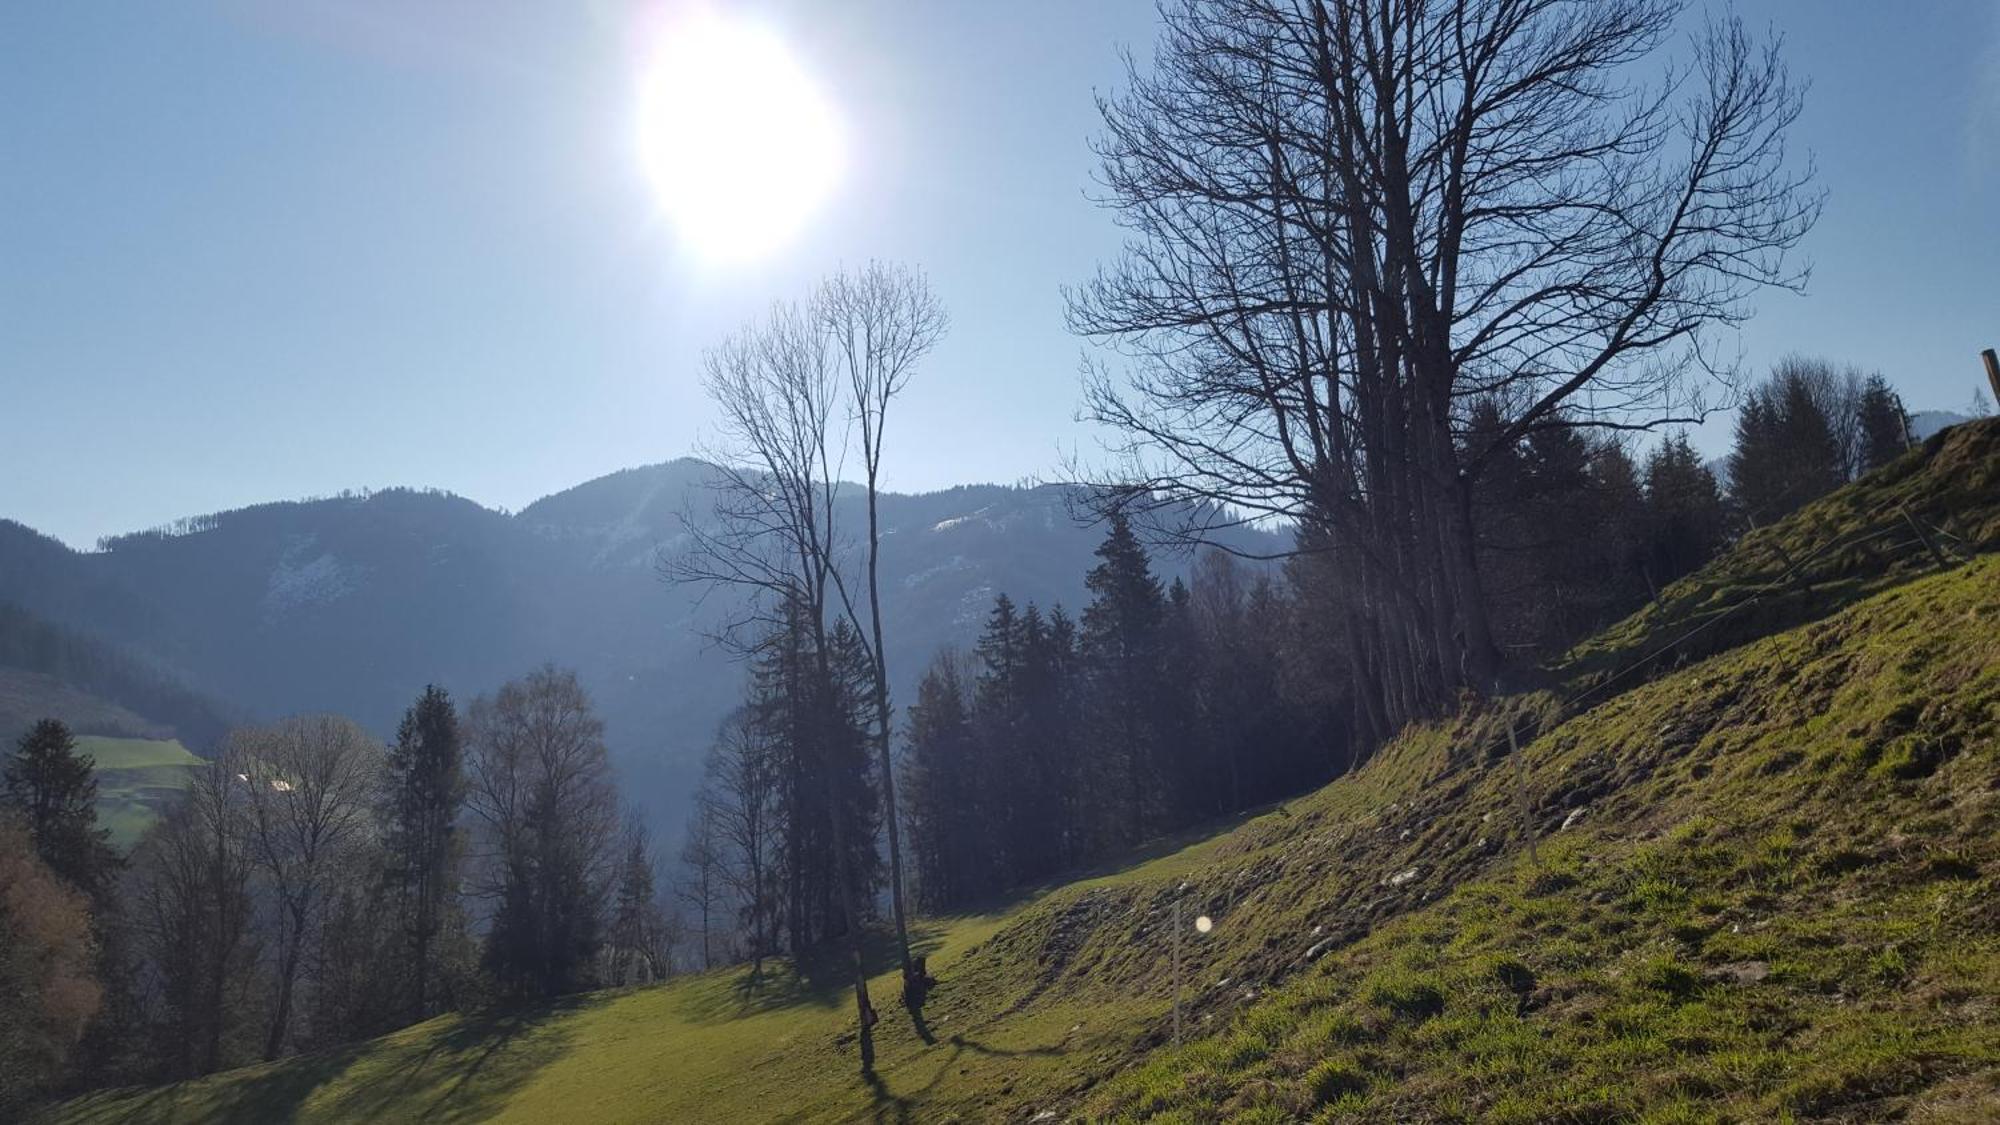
x=952 y=565
x=960 y=521
x=300 y=582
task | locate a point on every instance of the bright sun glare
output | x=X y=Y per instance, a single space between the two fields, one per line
x=739 y=144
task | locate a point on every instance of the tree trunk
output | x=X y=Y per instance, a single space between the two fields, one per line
x=288 y=969
x=1482 y=659
x=882 y=722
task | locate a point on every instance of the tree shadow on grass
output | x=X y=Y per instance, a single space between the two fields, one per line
x=464 y=1071
x=901 y=1108
x=889 y=1107
x=820 y=977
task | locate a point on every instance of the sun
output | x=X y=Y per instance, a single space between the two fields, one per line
x=739 y=144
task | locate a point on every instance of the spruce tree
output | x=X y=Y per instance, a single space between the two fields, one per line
x=1786 y=453
x=1685 y=520
x=1884 y=427
x=426 y=791
x=1120 y=646
x=55 y=789
x=941 y=790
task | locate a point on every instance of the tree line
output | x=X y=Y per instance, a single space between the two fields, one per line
x=1058 y=739
x=314 y=886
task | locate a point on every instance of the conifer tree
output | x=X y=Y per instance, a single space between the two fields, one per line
x=1120 y=649
x=55 y=790
x=1787 y=452
x=426 y=791
x=1884 y=427
x=1685 y=520
x=941 y=789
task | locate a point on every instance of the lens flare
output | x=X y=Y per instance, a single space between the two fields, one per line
x=739 y=144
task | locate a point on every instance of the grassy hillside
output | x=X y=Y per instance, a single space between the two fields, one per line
x=1766 y=889
x=1940 y=499
x=135 y=776
x=1764 y=886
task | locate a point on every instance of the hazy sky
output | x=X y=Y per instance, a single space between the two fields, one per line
x=252 y=251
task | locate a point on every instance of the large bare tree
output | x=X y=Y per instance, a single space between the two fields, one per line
x=1351 y=221
x=192 y=888
x=740 y=799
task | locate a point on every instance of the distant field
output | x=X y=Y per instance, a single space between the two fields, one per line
x=135 y=776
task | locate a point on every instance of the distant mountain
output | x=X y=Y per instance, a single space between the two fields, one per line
x=353 y=604
x=1924 y=423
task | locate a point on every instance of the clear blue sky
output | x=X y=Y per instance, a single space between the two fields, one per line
x=252 y=251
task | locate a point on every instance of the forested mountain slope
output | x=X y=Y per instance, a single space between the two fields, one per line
x=353 y=604
x=1763 y=885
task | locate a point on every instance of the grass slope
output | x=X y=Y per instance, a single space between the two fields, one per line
x=135 y=778
x=1779 y=900
x=1941 y=498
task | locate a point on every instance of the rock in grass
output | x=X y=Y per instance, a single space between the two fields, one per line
x=1740 y=972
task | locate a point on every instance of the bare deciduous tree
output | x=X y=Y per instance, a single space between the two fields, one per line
x=192 y=878
x=740 y=793
x=782 y=387
x=883 y=320
x=310 y=781
x=540 y=790
x=701 y=884
x=1354 y=220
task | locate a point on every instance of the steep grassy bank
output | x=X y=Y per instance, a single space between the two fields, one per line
x=1774 y=894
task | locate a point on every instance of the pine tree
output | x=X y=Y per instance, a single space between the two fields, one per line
x=55 y=789
x=426 y=792
x=1787 y=453
x=947 y=814
x=633 y=912
x=1121 y=656
x=1685 y=519
x=1885 y=428
x=1187 y=716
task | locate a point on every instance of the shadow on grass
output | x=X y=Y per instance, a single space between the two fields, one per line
x=820 y=977
x=464 y=1071
x=889 y=1107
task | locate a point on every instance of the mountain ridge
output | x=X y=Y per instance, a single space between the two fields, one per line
x=353 y=603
